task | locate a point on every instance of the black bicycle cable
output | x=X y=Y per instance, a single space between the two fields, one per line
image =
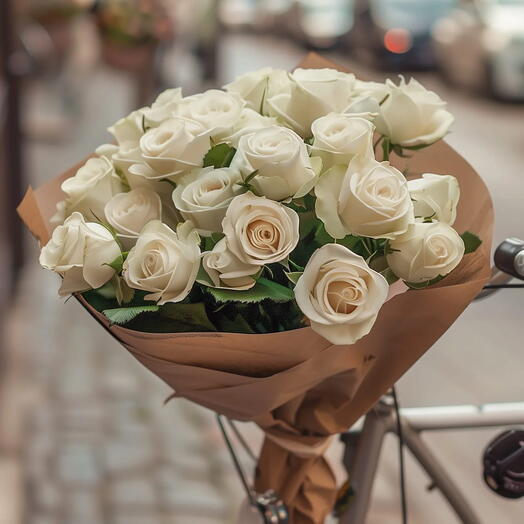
x=236 y=462
x=402 y=472
x=503 y=286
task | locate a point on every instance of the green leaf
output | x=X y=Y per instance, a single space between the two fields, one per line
x=193 y=315
x=203 y=277
x=322 y=237
x=349 y=241
x=236 y=325
x=309 y=140
x=123 y=315
x=264 y=289
x=293 y=276
x=386 y=148
x=295 y=266
x=117 y=263
x=471 y=241
x=211 y=241
x=389 y=275
x=216 y=237
x=219 y=156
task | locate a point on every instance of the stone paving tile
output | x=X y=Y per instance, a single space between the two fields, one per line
x=130 y=493
x=101 y=447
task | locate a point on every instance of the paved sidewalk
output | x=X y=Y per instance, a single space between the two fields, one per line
x=95 y=442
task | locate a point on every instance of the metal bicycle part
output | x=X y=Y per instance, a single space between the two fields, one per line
x=364 y=442
x=269 y=506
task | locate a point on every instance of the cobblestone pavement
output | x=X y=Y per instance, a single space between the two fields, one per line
x=96 y=444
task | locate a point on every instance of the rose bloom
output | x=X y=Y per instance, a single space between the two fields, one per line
x=340 y=294
x=435 y=197
x=370 y=199
x=281 y=160
x=80 y=251
x=257 y=86
x=260 y=231
x=314 y=93
x=425 y=251
x=337 y=138
x=122 y=157
x=164 y=106
x=203 y=197
x=175 y=146
x=248 y=122
x=129 y=212
x=130 y=128
x=412 y=116
x=216 y=110
x=225 y=270
x=91 y=187
x=366 y=98
x=164 y=262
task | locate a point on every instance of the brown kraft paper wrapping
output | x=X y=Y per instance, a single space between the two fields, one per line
x=295 y=385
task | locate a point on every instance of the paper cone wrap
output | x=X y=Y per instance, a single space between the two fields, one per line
x=296 y=386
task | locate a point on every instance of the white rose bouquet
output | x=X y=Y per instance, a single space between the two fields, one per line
x=279 y=251
x=264 y=205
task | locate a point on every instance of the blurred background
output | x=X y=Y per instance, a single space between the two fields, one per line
x=84 y=434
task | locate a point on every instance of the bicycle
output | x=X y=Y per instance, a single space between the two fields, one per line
x=363 y=442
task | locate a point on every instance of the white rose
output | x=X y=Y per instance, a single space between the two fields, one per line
x=163 y=262
x=281 y=158
x=435 y=196
x=175 y=146
x=370 y=199
x=91 y=187
x=337 y=138
x=129 y=212
x=129 y=128
x=411 y=115
x=248 y=122
x=367 y=97
x=340 y=294
x=260 y=231
x=164 y=106
x=314 y=93
x=203 y=197
x=80 y=252
x=257 y=86
x=217 y=111
x=425 y=251
x=226 y=271
x=123 y=157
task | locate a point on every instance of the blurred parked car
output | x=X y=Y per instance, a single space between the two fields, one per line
x=480 y=45
x=396 y=34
